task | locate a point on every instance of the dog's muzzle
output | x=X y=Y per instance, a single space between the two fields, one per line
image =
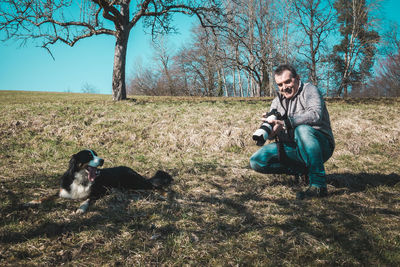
x=96 y=161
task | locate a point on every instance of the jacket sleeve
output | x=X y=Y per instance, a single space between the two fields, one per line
x=313 y=104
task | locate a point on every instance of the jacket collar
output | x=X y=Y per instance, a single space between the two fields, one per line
x=301 y=86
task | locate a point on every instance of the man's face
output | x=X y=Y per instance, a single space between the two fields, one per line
x=287 y=85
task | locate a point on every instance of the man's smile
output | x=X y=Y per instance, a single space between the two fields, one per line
x=287 y=90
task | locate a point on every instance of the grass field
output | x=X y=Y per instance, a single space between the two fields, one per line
x=219 y=212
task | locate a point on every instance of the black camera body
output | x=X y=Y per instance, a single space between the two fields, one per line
x=263 y=133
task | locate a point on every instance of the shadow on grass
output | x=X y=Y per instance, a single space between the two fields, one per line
x=14 y=192
x=357 y=182
x=337 y=230
x=353 y=182
x=44 y=225
x=20 y=223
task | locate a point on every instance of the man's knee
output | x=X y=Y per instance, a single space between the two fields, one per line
x=303 y=129
x=259 y=160
x=304 y=134
x=254 y=162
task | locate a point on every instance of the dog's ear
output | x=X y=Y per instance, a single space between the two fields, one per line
x=72 y=165
x=67 y=177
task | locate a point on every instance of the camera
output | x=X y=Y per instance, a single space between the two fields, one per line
x=262 y=134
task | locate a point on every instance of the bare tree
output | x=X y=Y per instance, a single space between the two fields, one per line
x=387 y=80
x=390 y=42
x=258 y=39
x=146 y=82
x=163 y=56
x=88 y=88
x=315 y=18
x=165 y=77
x=200 y=61
x=57 y=21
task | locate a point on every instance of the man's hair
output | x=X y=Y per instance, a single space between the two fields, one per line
x=283 y=67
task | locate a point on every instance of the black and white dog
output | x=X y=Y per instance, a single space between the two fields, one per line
x=84 y=180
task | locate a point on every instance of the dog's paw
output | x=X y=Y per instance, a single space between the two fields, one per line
x=83 y=207
x=79 y=211
x=33 y=203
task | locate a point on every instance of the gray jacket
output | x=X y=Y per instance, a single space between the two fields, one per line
x=306 y=107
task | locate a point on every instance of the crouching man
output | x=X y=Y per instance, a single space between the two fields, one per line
x=303 y=134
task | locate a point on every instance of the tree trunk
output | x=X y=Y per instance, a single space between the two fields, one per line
x=240 y=84
x=264 y=82
x=118 y=79
x=314 y=78
x=234 y=81
x=271 y=83
x=345 y=93
x=224 y=81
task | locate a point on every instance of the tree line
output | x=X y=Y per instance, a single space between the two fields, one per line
x=235 y=47
x=340 y=46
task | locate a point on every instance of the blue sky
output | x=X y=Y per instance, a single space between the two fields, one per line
x=90 y=61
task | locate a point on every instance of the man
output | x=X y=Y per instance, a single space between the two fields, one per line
x=304 y=135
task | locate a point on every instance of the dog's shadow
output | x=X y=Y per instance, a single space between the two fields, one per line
x=113 y=207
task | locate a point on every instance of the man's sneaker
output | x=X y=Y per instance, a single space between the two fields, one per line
x=312 y=192
x=301 y=179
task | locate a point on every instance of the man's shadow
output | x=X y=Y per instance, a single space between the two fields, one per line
x=357 y=182
x=349 y=182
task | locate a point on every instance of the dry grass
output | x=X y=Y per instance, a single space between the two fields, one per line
x=219 y=212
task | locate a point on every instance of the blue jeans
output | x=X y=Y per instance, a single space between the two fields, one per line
x=307 y=154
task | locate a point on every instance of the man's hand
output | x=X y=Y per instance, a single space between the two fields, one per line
x=267 y=119
x=277 y=127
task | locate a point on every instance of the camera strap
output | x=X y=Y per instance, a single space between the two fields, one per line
x=280 y=145
x=281 y=151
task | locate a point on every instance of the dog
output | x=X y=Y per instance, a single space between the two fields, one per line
x=85 y=180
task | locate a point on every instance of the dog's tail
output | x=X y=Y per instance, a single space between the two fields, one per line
x=161 y=179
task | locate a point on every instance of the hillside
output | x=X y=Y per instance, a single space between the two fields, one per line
x=219 y=211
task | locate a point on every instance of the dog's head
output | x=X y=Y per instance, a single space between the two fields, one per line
x=85 y=160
